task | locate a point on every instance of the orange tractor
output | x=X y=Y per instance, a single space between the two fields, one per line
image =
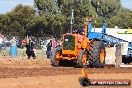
x=90 y=52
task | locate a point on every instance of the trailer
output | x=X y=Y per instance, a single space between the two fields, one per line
x=126 y=46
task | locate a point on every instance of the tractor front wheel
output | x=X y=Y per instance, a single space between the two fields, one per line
x=82 y=59
x=55 y=57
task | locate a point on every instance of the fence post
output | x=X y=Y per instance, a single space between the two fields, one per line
x=118 y=55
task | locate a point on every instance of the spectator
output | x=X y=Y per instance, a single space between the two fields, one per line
x=23 y=42
x=13 y=41
x=29 y=48
x=1 y=41
x=49 y=48
x=13 y=47
x=18 y=43
x=54 y=43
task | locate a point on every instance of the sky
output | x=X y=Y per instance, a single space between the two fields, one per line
x=127 y=3
x=8 y=5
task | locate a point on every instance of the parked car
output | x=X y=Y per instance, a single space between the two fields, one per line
x=6 y=43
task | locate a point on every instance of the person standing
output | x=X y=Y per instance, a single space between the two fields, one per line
x=13 y=41
x=54 y=43
x=1 y=41
x=49 y=48
x=30 y=48
x=13 y=47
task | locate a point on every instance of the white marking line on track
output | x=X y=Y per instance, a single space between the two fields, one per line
x=125 y=65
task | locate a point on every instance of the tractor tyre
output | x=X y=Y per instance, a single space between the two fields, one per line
x=126 y=60
x=97 y=54
x=82 y=59
x=84 y=81
x=55 y=61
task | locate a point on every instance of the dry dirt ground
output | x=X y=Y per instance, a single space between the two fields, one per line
x=38 y=73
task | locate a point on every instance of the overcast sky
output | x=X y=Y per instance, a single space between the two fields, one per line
x=8 y=5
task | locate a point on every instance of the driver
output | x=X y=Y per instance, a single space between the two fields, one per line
x=80 y=33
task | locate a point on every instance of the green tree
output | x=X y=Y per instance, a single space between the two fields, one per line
x=82 y=8
x=4 y=22
x=41 y=25
x=20 y=18
x=59 y=24
x=106 y=8
x=55 y=20
x=45 y=6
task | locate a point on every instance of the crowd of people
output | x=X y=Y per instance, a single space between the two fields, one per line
x=30 y=45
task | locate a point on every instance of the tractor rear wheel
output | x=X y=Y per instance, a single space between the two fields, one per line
x=55 y=57
x=97 y=54
x=82 y=59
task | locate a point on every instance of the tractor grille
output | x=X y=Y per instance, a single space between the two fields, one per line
x=69 y=42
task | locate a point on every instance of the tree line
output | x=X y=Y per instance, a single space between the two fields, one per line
x=52 y=17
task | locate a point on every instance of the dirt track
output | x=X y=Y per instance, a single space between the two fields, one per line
x=51 y=71
x=39 y=73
